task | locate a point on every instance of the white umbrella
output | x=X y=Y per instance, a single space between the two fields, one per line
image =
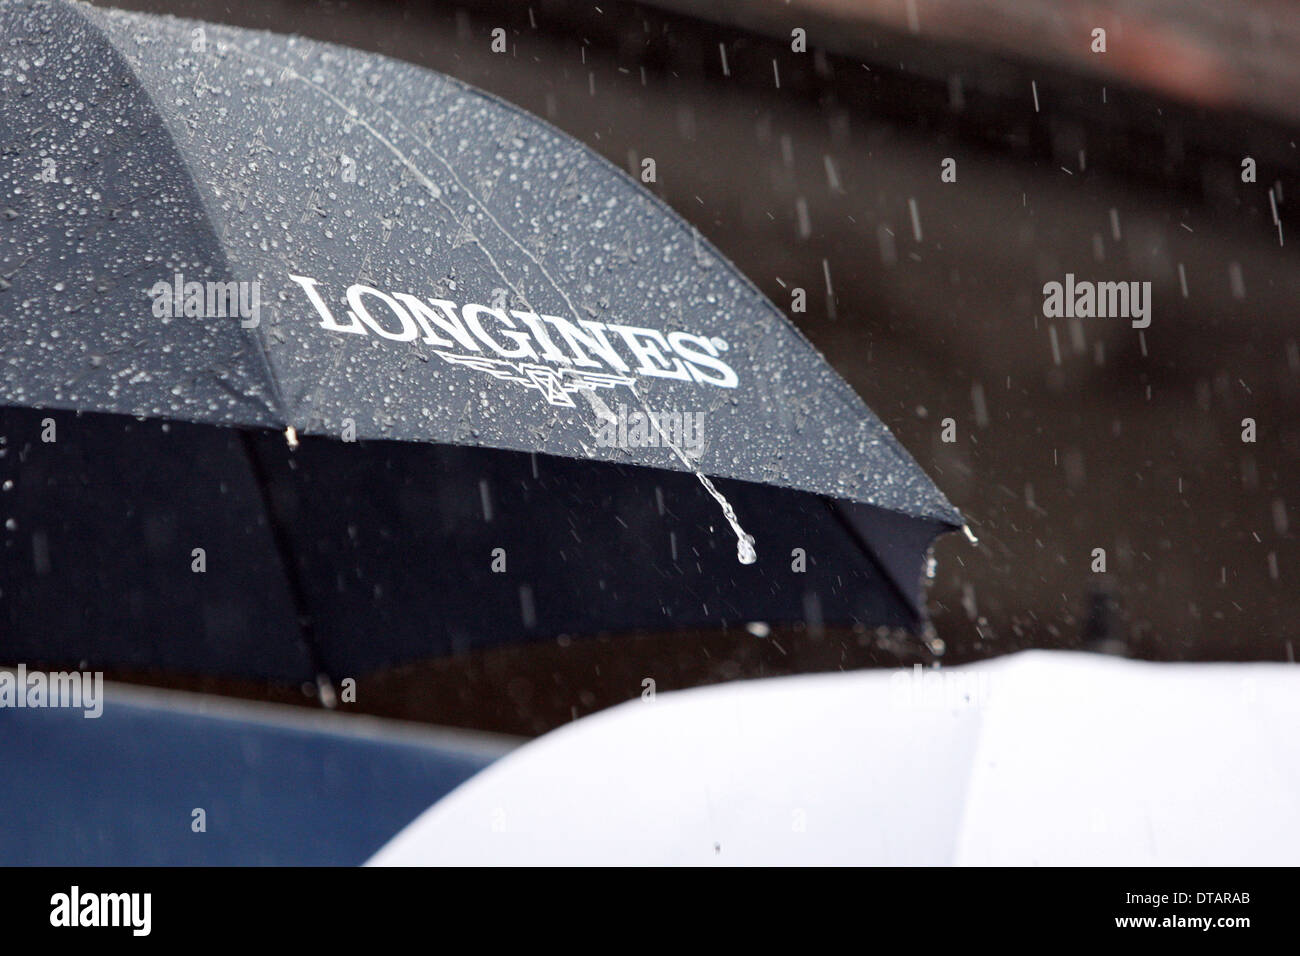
x=1036 y=758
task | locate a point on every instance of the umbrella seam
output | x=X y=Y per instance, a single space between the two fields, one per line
x=917 y=607
x=259 y=343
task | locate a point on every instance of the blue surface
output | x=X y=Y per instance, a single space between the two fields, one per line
x=120 y=789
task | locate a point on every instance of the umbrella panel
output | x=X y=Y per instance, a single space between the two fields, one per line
x=195 y=549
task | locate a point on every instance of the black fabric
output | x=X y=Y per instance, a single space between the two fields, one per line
x=393 y=548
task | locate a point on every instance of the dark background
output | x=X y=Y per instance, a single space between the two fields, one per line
x=1106 y=440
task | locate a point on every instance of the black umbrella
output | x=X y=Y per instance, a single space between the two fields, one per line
x=316 y=362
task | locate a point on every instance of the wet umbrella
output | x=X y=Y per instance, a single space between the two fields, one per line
x=315 y=362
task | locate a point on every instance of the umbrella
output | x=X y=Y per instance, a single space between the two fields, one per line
x=275 y=785
x=1039 y=758
x=315 y=362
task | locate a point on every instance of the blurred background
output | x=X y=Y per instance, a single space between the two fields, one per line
x=820 y=169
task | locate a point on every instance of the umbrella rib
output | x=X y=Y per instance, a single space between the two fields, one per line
x=293 y=579
x=121 y=59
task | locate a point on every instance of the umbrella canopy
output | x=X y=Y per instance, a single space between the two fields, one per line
x=510 y=375
x=1039 y=758
x=278 y=786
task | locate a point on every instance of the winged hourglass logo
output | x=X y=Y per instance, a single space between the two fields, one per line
x=557 y=385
